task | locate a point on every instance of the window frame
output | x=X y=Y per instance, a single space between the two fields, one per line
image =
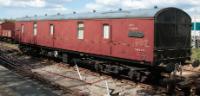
x=51 y=29
x=35 y=29
x=80 y=30
x=22 y=28
x=106 y=33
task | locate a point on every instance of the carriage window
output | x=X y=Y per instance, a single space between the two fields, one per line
x=106 y=31
x=35 y=29
x=52 y=29
x=80 y=30
x=22 y=28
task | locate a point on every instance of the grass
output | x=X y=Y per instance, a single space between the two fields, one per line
x=196 y=54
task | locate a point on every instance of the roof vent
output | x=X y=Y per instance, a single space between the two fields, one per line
x=155 y=7
x=74 y=12
x=94 y=11
x=58 y=13
x=120 y=9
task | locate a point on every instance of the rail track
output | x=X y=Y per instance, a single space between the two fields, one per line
x=17 y=65
x=11 y=64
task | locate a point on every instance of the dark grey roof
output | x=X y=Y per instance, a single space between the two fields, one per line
x=140 y=13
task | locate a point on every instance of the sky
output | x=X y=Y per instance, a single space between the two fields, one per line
x=21 y=8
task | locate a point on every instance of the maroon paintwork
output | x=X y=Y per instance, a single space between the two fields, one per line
x=119 y=45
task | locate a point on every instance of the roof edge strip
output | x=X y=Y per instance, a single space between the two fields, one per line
x=139 y=13
x=164 y=9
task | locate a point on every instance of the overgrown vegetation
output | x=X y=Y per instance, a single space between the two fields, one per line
x=196 y=54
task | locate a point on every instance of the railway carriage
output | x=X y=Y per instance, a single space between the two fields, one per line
x=7 y=31
x=149 y=37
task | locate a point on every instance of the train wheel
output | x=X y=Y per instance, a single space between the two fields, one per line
x=134 y=75
x=97 y=68
x=65 y=58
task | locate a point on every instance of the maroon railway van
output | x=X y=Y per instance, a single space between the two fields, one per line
x=149 y=36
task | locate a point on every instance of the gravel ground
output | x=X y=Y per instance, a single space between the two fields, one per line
x=94 y=84
x=12 y=84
